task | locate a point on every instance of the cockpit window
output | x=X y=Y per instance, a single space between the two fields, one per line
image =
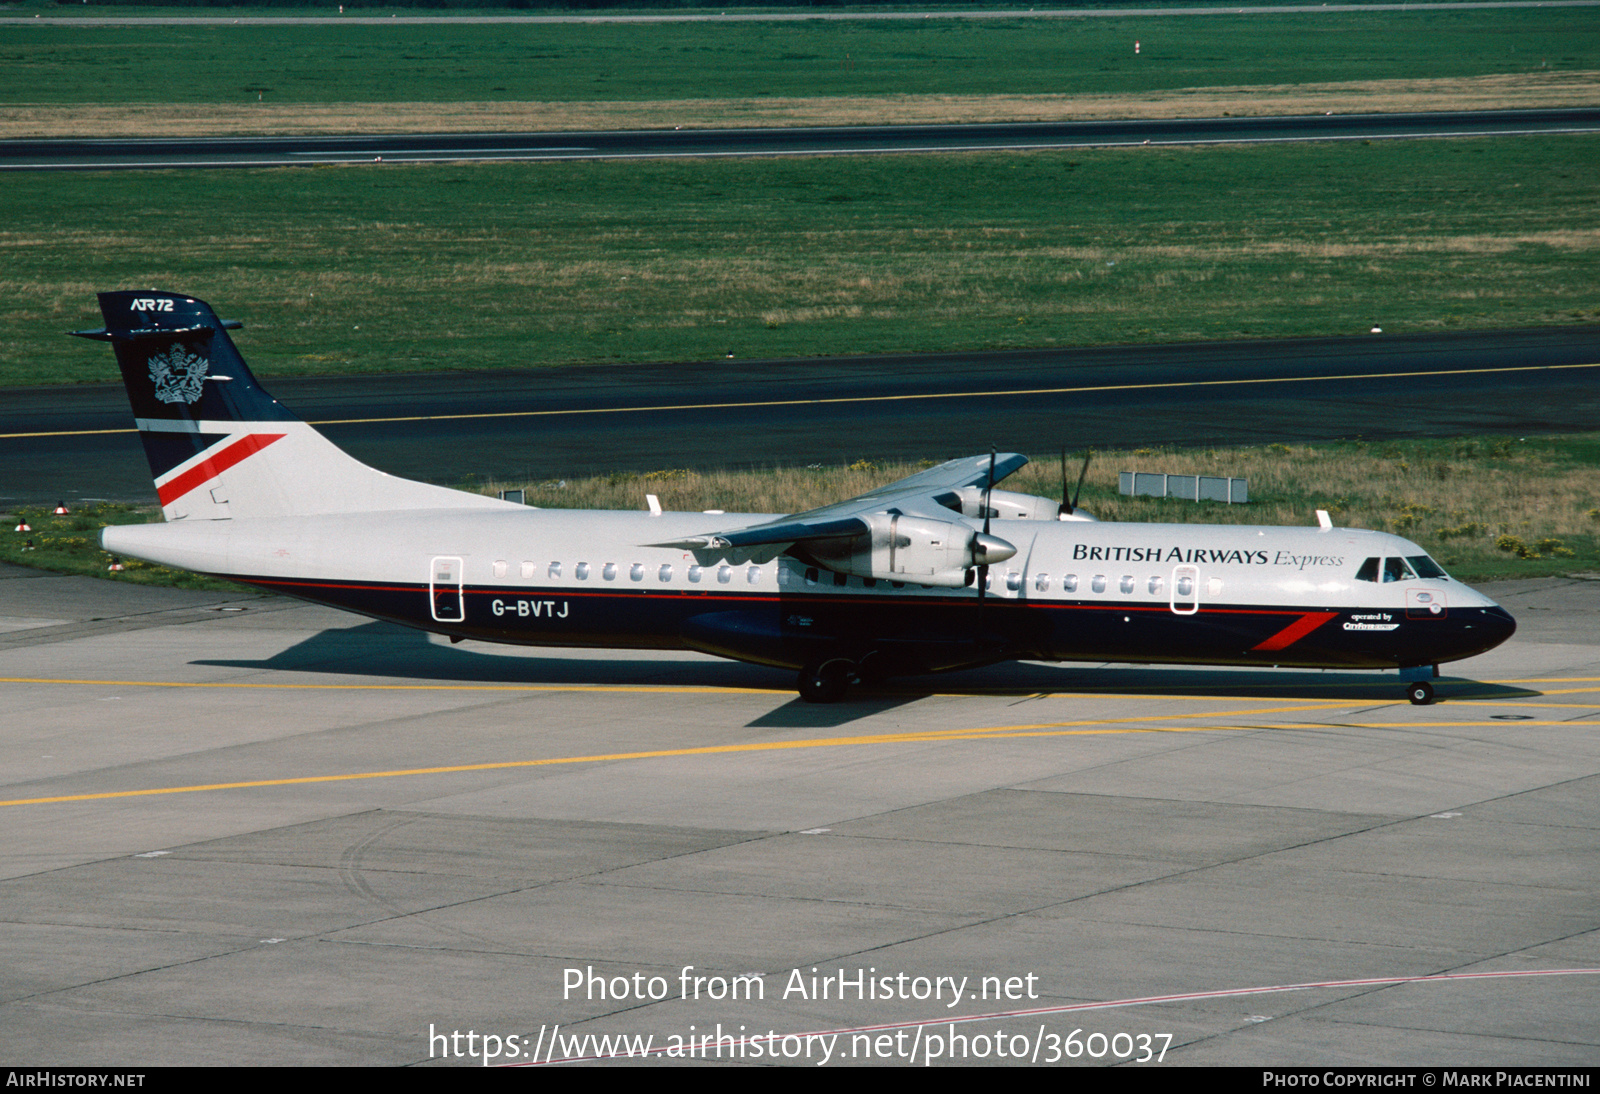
x=1426 y=567
x=1369 y=570
x=1395 y=569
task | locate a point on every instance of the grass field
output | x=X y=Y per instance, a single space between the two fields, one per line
x=377 y=268
x=622 y=62
x=1486 y=508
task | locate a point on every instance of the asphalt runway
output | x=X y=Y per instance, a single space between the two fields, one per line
x=76 y=442
x=241 y=830
x=129 y=154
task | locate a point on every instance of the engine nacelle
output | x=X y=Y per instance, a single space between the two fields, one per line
x=1006 y=505
x=913 y=549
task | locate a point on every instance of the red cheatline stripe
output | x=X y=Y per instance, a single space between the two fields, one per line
x=175 y=488
x=1296 y=630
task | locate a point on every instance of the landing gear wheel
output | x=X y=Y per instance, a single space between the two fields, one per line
x=1420 y=693
x=826 y=681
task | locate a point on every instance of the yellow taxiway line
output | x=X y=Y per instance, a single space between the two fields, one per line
x=918 y=737
x=1363 y=376
x=986 y=733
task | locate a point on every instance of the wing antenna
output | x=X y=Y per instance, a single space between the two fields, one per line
x=1069 y=504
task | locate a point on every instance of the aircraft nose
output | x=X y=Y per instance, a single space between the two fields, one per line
x=1483 y=630
x=1499 y=623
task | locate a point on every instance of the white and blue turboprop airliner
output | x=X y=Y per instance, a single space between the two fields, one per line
x=936 y=572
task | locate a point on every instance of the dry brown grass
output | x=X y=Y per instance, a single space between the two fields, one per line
x=1529 y=90
x=778 y=490
x=1457 y=498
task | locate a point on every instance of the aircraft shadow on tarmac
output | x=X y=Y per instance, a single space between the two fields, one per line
x=388 y=651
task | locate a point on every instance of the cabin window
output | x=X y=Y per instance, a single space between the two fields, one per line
x=869 y=583
x=1155 y=586
x=636 y=572
x=528 y=569
x=897 y=584
x=724 y=574
x=609 y=572
x=1126 y=585
x=1369 y=570
x=581 y=571
x=1069 y=583
x=752 y=574
x=840 y=580
x=694 y=574
x=1185 y=586
x=554 y=571
x=499 y=567
x=1041 y=583
x=1013 y=581
x=1098 y=583
x=665 y=573
x=811 y=575
x=1213 y=587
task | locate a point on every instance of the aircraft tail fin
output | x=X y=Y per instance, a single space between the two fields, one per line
x=219 y=446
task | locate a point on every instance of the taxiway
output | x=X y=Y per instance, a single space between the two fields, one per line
x=242 y=830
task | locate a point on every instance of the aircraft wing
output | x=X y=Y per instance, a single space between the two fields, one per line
x=917 y=495
x=953 y=475
x=907 y=531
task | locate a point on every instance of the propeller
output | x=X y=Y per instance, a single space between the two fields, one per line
x=979 y=544
x=1069 y=505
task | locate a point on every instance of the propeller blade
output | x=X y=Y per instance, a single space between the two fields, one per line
x=983 y=569
x=988 y=488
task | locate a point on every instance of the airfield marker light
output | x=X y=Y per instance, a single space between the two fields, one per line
x=1377 y=330
x=23 y=525
x=116 y=565
x=28 y=546
x=60 y=509
x=1136 y=46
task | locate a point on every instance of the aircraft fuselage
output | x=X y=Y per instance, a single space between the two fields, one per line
x=1074 y=591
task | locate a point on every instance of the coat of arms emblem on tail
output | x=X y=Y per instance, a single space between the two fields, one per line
x=178 y=375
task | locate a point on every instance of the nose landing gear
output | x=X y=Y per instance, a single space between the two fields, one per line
x=1419 y=688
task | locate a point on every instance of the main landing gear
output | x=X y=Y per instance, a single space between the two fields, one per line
x=826 y=681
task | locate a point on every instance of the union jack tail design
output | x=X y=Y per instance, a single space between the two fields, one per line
x=219 y=446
